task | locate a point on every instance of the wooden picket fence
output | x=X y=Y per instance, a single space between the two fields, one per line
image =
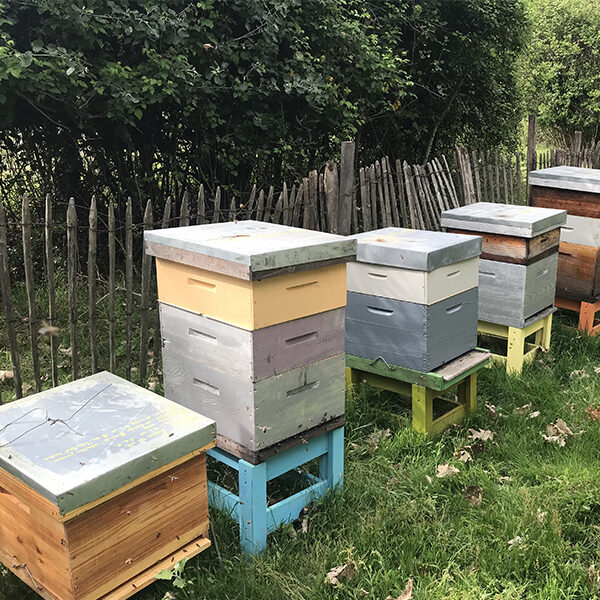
x=108 y=319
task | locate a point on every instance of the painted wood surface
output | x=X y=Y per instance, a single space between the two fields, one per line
x=90 y=556
x=518 y=250
x=411 y=335
x=505 y=219
x=568 y=178
x=253 y=355
x=578 y=272
x=93 y=436
x=414 y=249
x=257 y=415
x=580 y=204
x=409 y=285
x=251 y=305
x=584 y=231
x=256 y=245
x=509 y=294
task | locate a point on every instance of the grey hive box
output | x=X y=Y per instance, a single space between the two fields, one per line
x=249 y=250
x=577 y=179
x=416 y=336
x=254 y=416
x=253 y=355
x=504 y=219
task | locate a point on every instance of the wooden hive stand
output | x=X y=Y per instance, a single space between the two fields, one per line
x=256 y=518
x=519 y=351
x=587 y=313
x=424 y=388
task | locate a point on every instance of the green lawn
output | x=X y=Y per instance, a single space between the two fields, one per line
x=396 y=520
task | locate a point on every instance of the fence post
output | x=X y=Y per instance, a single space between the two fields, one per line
x=531 y=152
x=346 y=188
x=332 y=190
x=576 y=149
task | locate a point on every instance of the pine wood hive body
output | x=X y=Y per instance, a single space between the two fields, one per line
x=83 y=545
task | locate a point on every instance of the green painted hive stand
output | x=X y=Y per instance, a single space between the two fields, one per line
x=459 y=374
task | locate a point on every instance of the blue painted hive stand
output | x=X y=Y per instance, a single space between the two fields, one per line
x=257 y=519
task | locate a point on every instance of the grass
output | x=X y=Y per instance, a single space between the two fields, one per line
x=397 y=521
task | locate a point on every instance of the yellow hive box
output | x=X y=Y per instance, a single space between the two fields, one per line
x=252 y=304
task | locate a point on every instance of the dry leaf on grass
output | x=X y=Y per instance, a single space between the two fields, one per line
x=535 y=414
x=596 y=369
x=541 y=515
x=594 y=578
x=376 y=437
x=48 y=330
x=491 y=408
x=463 y=455
x=347 y=571
x=66 y=351
x=6 y=375
x=579 y=373
x=485 y=435
x=407 y=594
x=516 y=541
x=474 y=495
x=557 y=433
x=446 y=471
x=593 y=412
x=523 y=410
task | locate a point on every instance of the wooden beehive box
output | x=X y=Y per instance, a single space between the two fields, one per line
x=412 y=297
x=576 y=190
x=252 y=319
x=517 y=277
x=102 y=486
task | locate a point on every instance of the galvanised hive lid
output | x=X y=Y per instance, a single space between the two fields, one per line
x=567 y=178
x=76 y=443
x=415 y=249
x=504 y=219
x=245 y=249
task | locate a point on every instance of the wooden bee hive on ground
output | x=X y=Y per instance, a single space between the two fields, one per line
x=102 y=486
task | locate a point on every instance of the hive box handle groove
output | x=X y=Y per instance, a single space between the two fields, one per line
x=380 y=311
x=302 y=338
x=378 y=275
x=542 y=273
x=487 y=274
x=205 y=336
x=454 y=273
x=454 y=308
x=211 y=389
x=303 y=388
x=301 y=285
x=203 y=284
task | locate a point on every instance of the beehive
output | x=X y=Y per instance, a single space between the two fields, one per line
x=517 y=273
x=102 y=486
x=252 y=319
x=412 y=297
x=577 y=190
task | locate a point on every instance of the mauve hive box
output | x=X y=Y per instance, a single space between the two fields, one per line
x=412 y=297
x=577 y=190
x=103 y=485
x=517 y=277
x=252 y=320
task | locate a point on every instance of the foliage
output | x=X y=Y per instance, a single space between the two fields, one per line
x=561 y=67
x=143 y=97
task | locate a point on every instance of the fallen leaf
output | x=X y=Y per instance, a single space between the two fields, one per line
x=540 y=515
x=6 y=375
x=596 y=369
x=66 y=351
x=463 y=455
x=559 y=428
x=516 y=541
x=305 y=524
x=593 y=412
x=594 y=578
x=485 y=435
x=474 y=495
x=376 y=437
x=572 y=407
x=555 y=439
x=523 y=410
x=347 y=571
x=535 y=414
x=579 y=373
x=407 y=594
x=446 y=471
x=491 y=408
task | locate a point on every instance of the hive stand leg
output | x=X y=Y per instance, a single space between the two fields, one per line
x=516 y=350
x=542 y=336
x=331 y=465
x=253 y=506
x=587 y=314
x=422 y=409
x=467 y=393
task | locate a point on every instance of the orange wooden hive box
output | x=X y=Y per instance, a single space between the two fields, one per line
x=102 y=486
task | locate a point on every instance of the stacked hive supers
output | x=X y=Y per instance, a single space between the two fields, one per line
x=102 y=486
x=412 y=297
x=577 y=190
x=517 y=270
x=252 y=319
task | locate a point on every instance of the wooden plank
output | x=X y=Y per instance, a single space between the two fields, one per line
x=313 y=184
x=72 y=285
x=451 y=185
x=288 y=217
x=145 y=299
x=346 y=198
x=250 y=205
x=217 y=206
x=285 y=205
x=268 y=208
x=232 y=210
x=128 y=286
x=383 y=208
x=49 y=248
x=581 y=204
x=297 y=212
x=421 y=199
x=519 y=178
x=365 y=205
x=184 y=213
x=401 y=194
x=278 y=209
x=531 y=153
x=92 y=283
x=200 y=218
x=393 y=199
x=578 y=275
x=29 y=284
x=306 y=216
x=373 y=195
x=112 y=289
x=7 y=304
x=332 y=188
x=416 y=221
x=260 y=207
x=476 y=177
x=322 y=204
